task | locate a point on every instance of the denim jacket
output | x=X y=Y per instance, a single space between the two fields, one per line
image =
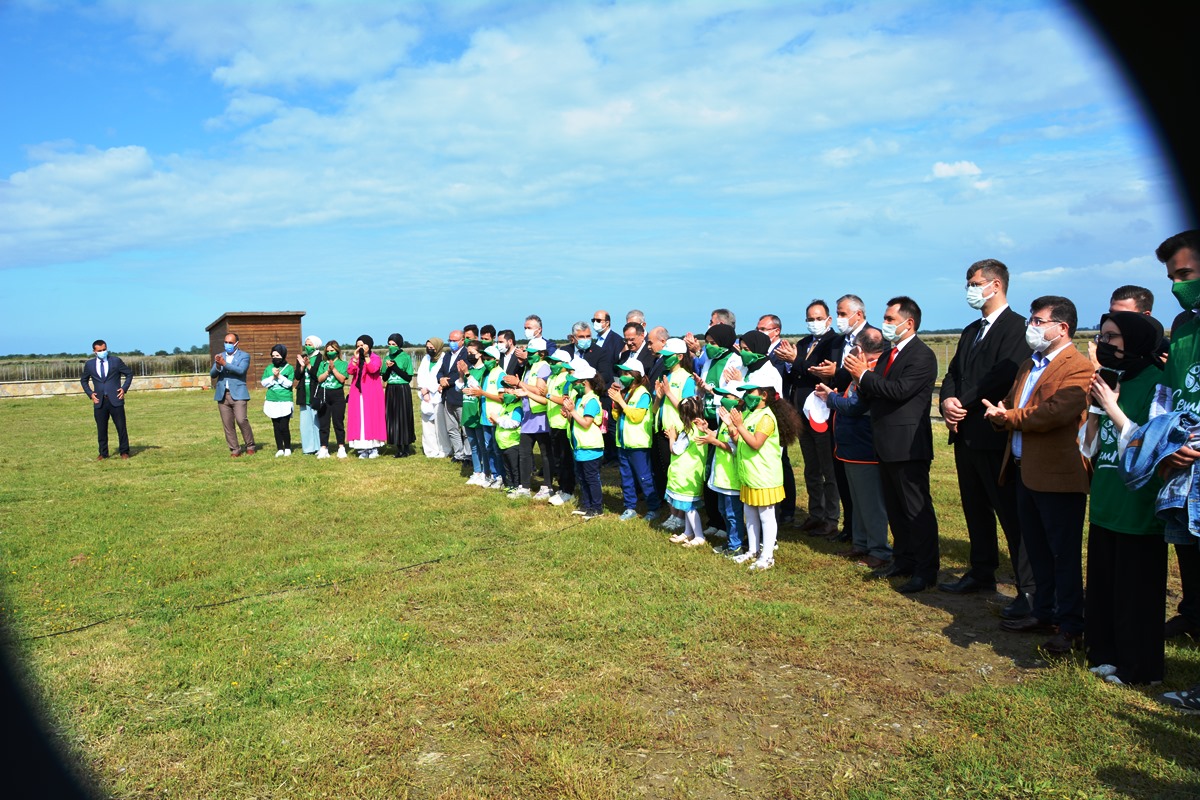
x=1178 y=503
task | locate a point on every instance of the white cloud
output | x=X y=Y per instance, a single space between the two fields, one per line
x=956 y=170
x=1133 y=270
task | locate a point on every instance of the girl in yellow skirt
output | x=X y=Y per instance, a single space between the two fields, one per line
x=685 y=476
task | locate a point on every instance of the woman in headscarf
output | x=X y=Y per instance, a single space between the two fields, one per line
x=397 y=377
x=277 y=379
x=1127 y=556
x=435 y=440
x=365 y=426
x=306 y=387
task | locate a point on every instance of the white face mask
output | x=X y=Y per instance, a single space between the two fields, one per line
x=975 y=298
x=502 y=347
x=1036 y=338
x=889 y=332
x=817 y=328
x=531 y=333
x=843 y=324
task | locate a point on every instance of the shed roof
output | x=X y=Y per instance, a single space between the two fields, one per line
x=217 y=321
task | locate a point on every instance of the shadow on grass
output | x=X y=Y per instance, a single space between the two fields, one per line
x=1169 y=732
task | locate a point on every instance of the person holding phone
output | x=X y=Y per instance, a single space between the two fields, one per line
x=1127 y=556
x=366 y=417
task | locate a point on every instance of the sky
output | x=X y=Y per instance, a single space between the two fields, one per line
x=412 y=167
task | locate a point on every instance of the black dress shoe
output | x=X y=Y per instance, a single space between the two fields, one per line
x=913 y=585
x=892 y=571
x=1180 y=626
x=1029 y=624
x=967 y=584
x=1020 y=608
x=1061 y=643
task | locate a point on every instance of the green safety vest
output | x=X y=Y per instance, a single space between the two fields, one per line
x=685 y=476
x=589 y=438
x=554 y=386
x=534 y=408
x=634 y=435
x=761 y=468
x=668 y=415
x=507 y=437
x=725 y=467
x=712 y=400
x=490 y=383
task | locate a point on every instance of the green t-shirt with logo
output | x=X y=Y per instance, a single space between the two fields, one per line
x=1113 y=505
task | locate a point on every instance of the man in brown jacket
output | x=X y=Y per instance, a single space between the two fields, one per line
x=1042 y=414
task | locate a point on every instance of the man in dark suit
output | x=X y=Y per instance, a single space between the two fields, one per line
x=109 y=380
x=637 y=347
x=983 y=368
x=900 y=390
x=506 y=343
x=1042 y=413
x=810 y=359
x=606 y=339
x=583 y=345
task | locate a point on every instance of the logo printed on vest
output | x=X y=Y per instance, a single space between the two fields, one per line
x=1192 y=381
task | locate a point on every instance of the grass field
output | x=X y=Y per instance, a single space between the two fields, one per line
x=292 y=628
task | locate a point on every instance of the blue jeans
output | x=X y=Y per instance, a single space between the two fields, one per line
x=731 y=510
x=475 y=437
x=635 y=472
x=591 y=497
x=492 y=450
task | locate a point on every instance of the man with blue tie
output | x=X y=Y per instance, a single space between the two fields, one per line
x=109 y=380
x=229 y=369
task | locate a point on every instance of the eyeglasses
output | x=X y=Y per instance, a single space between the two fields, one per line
x=598 y=320
x=1037 y=323
x=1106 y=338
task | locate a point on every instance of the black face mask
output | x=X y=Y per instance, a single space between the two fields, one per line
x=1106 y=354
x=429 y=350
x=278 y=361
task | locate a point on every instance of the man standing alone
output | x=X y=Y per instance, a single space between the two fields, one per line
x=109 y=379
x=231 y=394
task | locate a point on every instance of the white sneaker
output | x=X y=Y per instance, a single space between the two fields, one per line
x=556 y=499
x=287 y=452
x=565 y=497
x=322 y=453
x=278 y=453
x=695 y=542
x=579 y=512
x=373 y=452
x=1103 y=670
x=762 y=564
x=542 y=493
x=342 y=451
x=518 y=492
x=474 y=479
x=1114 y=679
x=497 y=483
x=679 y=538
x=744 y=557
x=360 y=453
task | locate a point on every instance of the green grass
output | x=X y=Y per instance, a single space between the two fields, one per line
x=302 y=628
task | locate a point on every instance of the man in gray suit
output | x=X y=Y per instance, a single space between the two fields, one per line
x=231 y=394
x=109 y=380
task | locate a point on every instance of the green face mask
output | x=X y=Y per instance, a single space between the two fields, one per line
x=393 y=350
x=1187 y=293
x=556 y=367
x=331 y=355
x=476 y=373
x=752 y=401
x=671 y=361
x=729 y=403
x=309 y=349
x=714 y=351
x=626 y=380
x=534 y=358
x=751 y=359
x=489 y=364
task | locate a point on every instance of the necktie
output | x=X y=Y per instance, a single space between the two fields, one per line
x=982 y=330
x=811 y=346
x=891 y=358
x=103 y=370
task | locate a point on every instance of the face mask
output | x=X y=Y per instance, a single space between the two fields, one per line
x=229 y=348
x=331 y=355
x=626 y=380
x=534 y=358
x=714 y=351
x=1187 y=293
x=570 y=382
x=752 y=401
x=1036 y=339
x=671 y=361
x=454 y=346
x=583 y=344
x=751 y=360
x=729 y=403
x=309 y=349
x=429 y=350
x=556 y=367
x=278 y=361
x=489 y=363
x=975 y=298
x=843 y=324
x=102 y=355
x=818 y=327
x=1106 y=354
x=889 y=332
x=502 y=347
x=393 y=350
x=531 y=333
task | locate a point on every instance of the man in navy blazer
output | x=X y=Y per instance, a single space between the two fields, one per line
x=900 y=390
x=232 y=395
x=109 y=380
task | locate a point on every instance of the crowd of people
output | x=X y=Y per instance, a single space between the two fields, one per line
x=699 y=430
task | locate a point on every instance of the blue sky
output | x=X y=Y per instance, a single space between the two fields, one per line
x=411 y=167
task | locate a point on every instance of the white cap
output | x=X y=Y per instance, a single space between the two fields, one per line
x=537 y=343
x=817 y=411
x=633 y=365
x=491 y=350
x=560 y=355
x=581 y=369
x=674 y=346
x=765 y=377
x=732 y=391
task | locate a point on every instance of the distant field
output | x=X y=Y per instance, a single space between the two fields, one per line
x=300 y=628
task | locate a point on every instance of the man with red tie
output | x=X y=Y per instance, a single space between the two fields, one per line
x=900 y=390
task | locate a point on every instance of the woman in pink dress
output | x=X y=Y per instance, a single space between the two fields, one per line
x=366 y=426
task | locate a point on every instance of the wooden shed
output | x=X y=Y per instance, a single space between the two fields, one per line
x=258 y=332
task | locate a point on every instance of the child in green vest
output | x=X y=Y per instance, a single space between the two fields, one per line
x=631 y=402
x=676 y=385
x=768 y=425
x=723 y=478
x=507 y=421
x=685 y=476
x=277 y=380
x=586 y=429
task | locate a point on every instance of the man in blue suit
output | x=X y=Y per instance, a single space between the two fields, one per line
x=109 y=380
x=231 y=394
